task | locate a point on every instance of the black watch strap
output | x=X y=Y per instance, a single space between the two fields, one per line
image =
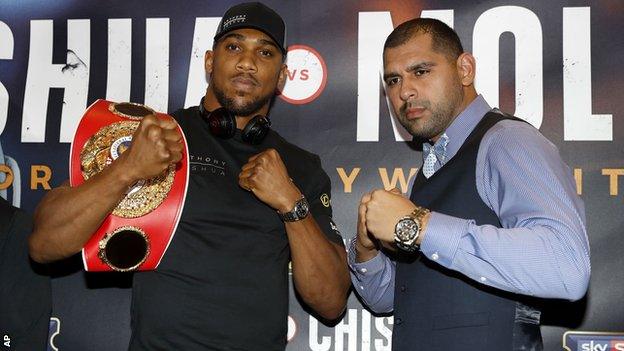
x=299 y=211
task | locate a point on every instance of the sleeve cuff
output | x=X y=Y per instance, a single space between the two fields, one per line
x=363 y=269
x=442 y=238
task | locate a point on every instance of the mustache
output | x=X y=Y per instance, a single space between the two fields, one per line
x=247 y=76
x=414 y=103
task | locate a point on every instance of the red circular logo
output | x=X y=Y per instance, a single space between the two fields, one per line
x=307 y=75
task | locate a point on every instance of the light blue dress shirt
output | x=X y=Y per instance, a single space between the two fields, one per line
x=542 y=248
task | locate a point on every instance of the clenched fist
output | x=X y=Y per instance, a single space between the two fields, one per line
x=156 y=144
x=266 y=176
x=366 y=244
x=383 y=209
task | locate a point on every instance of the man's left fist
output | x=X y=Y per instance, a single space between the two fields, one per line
x=266 y=176
x=384 y=208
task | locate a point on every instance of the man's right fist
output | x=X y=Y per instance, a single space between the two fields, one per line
x=366 y=244
x=156 y=144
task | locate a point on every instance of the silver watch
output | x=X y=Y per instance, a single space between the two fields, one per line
x=299 y=211
x=408 y=229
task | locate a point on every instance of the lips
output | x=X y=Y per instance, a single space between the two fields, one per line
x=414 y=112
x=244 y=82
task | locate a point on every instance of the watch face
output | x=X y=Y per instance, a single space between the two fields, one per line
x=406 y=229
x=302 y=209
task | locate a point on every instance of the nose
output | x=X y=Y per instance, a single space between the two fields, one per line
x=408 y=90
x=246 y=63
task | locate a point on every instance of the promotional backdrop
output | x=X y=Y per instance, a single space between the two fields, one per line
x=552 y=63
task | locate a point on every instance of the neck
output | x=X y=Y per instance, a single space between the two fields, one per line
x=468 y=97
x=241 y=122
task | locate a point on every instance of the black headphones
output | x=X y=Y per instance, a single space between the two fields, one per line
x=222 y=123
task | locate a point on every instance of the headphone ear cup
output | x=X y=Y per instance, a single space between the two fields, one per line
x=256 y=130
x=221 y=123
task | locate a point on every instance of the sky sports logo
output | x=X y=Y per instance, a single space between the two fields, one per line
x=593 y=345
x=593 y=341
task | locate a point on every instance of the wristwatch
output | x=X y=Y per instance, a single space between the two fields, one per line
x=408 y=229
x=299 y=211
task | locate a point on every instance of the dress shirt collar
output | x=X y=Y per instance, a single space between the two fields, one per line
x=460 y=128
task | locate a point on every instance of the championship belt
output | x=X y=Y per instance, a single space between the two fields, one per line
x=137 y=233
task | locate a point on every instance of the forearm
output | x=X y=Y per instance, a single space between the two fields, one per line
x=362 y=253
x=373 y=279
x=549 y=261
x=542 y=249
x=67 y=217
x=319 y=268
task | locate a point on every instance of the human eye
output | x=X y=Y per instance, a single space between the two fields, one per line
x=392 y=81
x=421 y=72
x=266 y=53
x=232 y=47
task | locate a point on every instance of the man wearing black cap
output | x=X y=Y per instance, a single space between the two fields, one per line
x=254 y=203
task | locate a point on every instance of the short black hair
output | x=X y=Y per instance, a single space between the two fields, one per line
x=444 y=39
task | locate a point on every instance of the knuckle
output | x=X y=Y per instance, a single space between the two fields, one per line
x=147 y=122
x=167 y=123
x=149 y=119
x=154 y=132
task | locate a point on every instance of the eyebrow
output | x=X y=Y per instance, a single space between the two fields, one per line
x=420 y=65
x=268 y=42
x=411 y=68
x=389 y=75
x=233 y=35
x=241 y=37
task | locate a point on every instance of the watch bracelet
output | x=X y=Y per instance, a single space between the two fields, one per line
x=419 y=212
x=291 y=216
x=417 y=215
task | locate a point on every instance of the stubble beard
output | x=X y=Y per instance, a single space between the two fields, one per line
x=239 y=108
x=442 y=114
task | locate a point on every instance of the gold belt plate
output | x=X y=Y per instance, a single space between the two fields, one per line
x=107 y=145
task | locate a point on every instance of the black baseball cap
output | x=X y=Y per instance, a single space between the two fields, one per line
x=257 y=16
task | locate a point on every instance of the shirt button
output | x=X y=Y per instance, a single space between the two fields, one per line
x=361 y=287
x=403 y=288
x=363 y=270
x=398 y=321
x=435 y=256
x=483 y=279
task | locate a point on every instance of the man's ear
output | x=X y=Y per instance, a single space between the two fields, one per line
x=281 y=80
x=466 y=68
x=208 y=60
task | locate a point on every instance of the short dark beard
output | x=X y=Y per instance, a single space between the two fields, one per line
x=442 y=114
x=246 y=109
